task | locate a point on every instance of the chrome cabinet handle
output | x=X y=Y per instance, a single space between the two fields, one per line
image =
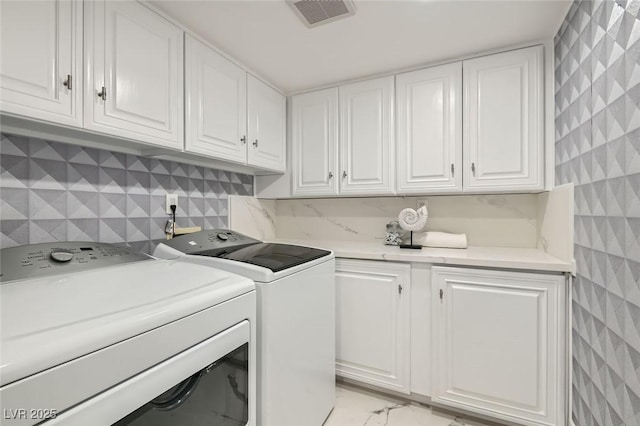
x=452 y=170
x=68 y=83
x=330 y=175
x=344 y=174
x=255 y=143
x=243 y=139
x=473 y=168
x=103 y=94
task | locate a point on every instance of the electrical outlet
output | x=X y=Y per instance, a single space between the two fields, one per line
x=171 y=200
x=421 y=202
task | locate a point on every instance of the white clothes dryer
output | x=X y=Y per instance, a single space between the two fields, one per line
x=96 y=334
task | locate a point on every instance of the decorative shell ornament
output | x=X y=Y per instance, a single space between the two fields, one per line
x=411 y=220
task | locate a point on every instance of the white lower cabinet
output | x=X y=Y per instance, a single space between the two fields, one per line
x=498 y=344
x=373 y=323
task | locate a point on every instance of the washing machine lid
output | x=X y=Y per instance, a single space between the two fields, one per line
x=243 y=255
x=48 y=320
x=276 y=257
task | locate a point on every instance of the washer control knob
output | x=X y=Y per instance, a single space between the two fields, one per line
x=61 y=255
x=222 y=237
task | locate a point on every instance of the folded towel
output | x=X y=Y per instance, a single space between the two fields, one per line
x=441 y=239
x=411 y=220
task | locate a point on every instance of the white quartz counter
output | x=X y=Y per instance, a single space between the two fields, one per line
x=490 y=257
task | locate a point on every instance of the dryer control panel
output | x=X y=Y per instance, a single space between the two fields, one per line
x=212 y=242
x=41 y=260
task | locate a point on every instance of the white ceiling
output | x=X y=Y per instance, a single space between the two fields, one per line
x=383 y=36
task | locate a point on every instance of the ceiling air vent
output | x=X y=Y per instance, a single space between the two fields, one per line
x=319 y=12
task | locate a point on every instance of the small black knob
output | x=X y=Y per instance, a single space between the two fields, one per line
x=223 y=237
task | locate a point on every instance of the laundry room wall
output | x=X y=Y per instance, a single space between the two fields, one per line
x=52 y=191
x=598 y=149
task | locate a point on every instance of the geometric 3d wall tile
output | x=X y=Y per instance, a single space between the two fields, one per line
x=51 y=191
x=597 y=120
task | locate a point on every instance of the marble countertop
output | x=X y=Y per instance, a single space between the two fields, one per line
x=492 y=257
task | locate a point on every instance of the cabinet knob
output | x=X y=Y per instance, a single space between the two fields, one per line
x=255 y=143
x=473 y=168
x=344 y=174
x=330 y=175
x=243 y=139
x=103 y=94
x=452 y=170
x=68 y=83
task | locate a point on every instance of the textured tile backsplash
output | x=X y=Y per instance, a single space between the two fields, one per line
x=598 y=148
x=51 y=191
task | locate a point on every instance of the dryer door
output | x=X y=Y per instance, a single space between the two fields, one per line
x=209 y=383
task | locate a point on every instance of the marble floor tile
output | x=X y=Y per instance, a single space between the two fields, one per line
x=357 y=407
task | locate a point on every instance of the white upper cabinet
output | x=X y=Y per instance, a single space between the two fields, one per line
x=314 y=137
x=429 y=130
x=266 y=126
x=231 y=115
x=134 y=73
x=503 y=122
x=366 y=137
x=41 y=60
x=498 y=340
x=216 y=104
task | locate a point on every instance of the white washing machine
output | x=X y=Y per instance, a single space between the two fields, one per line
x=296 y=319
x=95 y=334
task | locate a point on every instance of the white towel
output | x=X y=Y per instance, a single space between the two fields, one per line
x=411 y=220
x=441 y=239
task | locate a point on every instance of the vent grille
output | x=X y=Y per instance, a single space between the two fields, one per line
x=318 y=12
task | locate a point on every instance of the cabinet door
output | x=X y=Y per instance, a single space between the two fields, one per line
x=503 y=122
x=373 y=323
x=498 y=343
x=267 y=115
x=366 y=137
x=429 y=120
x=216 y=104
x=134 y=73
x=314 y=125
x=41 y=52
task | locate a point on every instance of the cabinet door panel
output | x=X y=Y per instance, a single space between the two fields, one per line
x=314 y=139
x=517 y=348
x=216 y=104
x=497 y=339
x=367 y=148
x=266 y=128
x=429 y=108
x=41 y=47
x=503 y=124
x=136 y=55
x=372 y=308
